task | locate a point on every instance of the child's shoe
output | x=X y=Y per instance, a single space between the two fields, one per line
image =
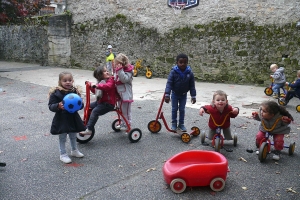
x=275 y=96
x=174 y=127
x=65 y=158
x=182 y=127
x=86 y=132
x=276 y=155
x=77 y=153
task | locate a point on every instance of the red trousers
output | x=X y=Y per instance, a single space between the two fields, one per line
x=277 y=138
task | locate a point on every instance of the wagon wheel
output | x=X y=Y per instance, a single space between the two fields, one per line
x=185 y=137
x=154 y=126
x=178 y=185
x=82 y=139
x=263 y=151
x=217 y=184
x=135 y=135
x=268 y=91
x=292 y=148
x=196 y=131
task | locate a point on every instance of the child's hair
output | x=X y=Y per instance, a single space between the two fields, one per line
x=274 y=66
x=61 y=75
x=219 y=92
x=182 y=55
x=98 y=73
x=122 y=59
x=272 y=107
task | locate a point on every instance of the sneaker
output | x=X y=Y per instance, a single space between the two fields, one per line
x=123 y=127
x=276 y=155
x=257 y=152
x=86 y=132
x=77 y=153
x=65 y=158
x=275 y=96
x=174 y=127
x=182 y=127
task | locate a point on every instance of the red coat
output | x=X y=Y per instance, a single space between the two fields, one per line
x=109 y=91
x=219 y=117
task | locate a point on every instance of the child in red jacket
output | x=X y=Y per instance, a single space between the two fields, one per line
x=220 y=113
x=106 y=102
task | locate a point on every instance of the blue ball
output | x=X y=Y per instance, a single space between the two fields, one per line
x=72 y=102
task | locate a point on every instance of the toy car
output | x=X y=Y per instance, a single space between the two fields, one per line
x=196 y=168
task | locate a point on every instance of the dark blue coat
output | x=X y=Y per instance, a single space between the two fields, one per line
x=296 y=87
x=63 y=121
x=180 y=83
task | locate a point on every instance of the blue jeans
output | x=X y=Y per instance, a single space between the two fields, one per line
x=178 y=102
x=276 y=88
x=98 y=109
x=63 y=139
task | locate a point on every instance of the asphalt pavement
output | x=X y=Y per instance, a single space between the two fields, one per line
x=115 y=168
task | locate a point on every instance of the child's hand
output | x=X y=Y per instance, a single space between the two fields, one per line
x=167 y=99
x=61 y=106
x=193 y=100
x=254 y=114
x=201 y=111
x=235 y=111
x=286 y=119
x=287 y=83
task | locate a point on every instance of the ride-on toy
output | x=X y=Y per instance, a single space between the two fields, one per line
x=265 y=144
x=137 y=67
x=269 y=91
x=218 y=139
x=196 y=168
x=154 y=126
x=134 y=135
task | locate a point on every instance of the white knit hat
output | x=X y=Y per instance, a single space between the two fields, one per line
x=109 y=47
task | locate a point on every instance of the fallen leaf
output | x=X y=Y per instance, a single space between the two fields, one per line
x=244 y=188
x=21 y=117
x=290 y=189
x=242 y=159
x=151 y=169
x=120 y=166
x=277 y=172
x=24 y=159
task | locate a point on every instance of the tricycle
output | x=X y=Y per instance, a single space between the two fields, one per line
x=134 y=135
x=196 y=168
x=154 y=126
x=269 y=91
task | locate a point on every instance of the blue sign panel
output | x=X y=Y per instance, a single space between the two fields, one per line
x=188 y=3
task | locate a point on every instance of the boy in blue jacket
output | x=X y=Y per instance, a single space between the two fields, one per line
x=295 y=89
x=180 y=81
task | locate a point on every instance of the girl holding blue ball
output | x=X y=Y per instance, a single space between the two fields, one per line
x=65 y=122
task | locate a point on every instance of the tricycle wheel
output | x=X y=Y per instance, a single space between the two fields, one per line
x=217 y=184
x=202 y=137
x=82 y=139
x=135 y=72
x=298 y=108
x=281 y=101
x=196 y=131
x=217 y=144
x=154 y=126
x=234 y=139
x=135 y=135
x=178 y=185
x=148 y=74
x=263 y=151
x=185 y=137
x=268 y=91
x=292 y=148
x=114 y=125
x=282 y=95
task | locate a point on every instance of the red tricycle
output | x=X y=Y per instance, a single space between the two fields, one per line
x=218 y=139
x=154 y=126
x=196 y=168
x=134 y=135
x=265 y=144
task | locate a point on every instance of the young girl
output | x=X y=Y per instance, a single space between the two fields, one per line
x=65 y=123
x=106 y=103
x=124 y=74
x=274 y=119
x=219 y=111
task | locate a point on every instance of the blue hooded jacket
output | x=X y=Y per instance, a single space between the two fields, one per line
x=181 y=82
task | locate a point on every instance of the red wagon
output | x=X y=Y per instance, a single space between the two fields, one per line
x=196 y=168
